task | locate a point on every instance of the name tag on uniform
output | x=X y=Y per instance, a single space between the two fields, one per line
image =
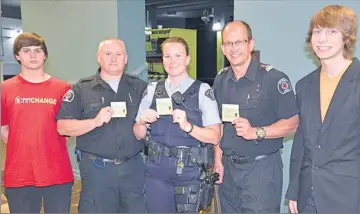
x=164 y=106
x=119 y=109
x=230 y=112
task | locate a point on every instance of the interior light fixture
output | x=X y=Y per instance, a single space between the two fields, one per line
x=216 y=26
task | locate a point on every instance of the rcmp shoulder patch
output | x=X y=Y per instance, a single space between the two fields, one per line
x=284 y=86
x=210 y=94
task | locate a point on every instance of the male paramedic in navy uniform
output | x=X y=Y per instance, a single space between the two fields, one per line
x=258 y=109
x=100 y=112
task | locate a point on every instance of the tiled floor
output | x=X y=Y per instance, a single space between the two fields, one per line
x=74 y=200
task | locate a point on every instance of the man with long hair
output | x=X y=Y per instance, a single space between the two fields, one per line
x=325 y=157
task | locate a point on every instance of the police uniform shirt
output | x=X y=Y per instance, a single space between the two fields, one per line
x=207 y=103
x=85 y=100
x=264 y=96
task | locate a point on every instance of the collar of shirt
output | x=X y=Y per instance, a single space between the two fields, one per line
x=99 y=81
x=250 y=72
x=355 y=62
x=182 y=86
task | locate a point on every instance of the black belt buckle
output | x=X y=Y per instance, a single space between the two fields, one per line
x=95 y=158
x=123 y=160
x=242 y=160
x=117 y=161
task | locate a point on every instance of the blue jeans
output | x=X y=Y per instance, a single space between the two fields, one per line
x=310 y=205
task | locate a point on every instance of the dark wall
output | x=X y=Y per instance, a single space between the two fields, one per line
x=206 y=45
x=171 y=23
x=12 y=12
x=206 y=49
x=8 y=76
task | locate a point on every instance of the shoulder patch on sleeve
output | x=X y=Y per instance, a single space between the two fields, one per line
x=132 y=76
x=69 y=96
x=210 y=94
x=284 y=86
x=267 y=67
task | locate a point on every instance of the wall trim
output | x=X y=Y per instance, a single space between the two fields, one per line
x=76 y=174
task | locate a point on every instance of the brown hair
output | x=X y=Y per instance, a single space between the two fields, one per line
x=340 y=17
x=176 y=40
x=28 y=39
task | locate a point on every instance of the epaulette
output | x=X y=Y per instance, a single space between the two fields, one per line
x=224 y=70
x=267 y=67
x=86 y=79
x=152 y=83
x=132 y=76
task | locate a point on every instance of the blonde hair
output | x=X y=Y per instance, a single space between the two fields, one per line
x=112 y=39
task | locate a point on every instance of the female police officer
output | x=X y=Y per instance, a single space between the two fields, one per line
x=182 y=114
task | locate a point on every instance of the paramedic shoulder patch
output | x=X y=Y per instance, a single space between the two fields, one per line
x=284 y=86
x=69 y=96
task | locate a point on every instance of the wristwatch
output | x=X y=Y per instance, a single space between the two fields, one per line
x=189 y=128
x=260 y=134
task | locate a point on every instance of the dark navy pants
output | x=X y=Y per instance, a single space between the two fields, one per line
x=252 y=187
x=310 y=205
x=29 y=199
x=115 y=188
x=161 y=181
